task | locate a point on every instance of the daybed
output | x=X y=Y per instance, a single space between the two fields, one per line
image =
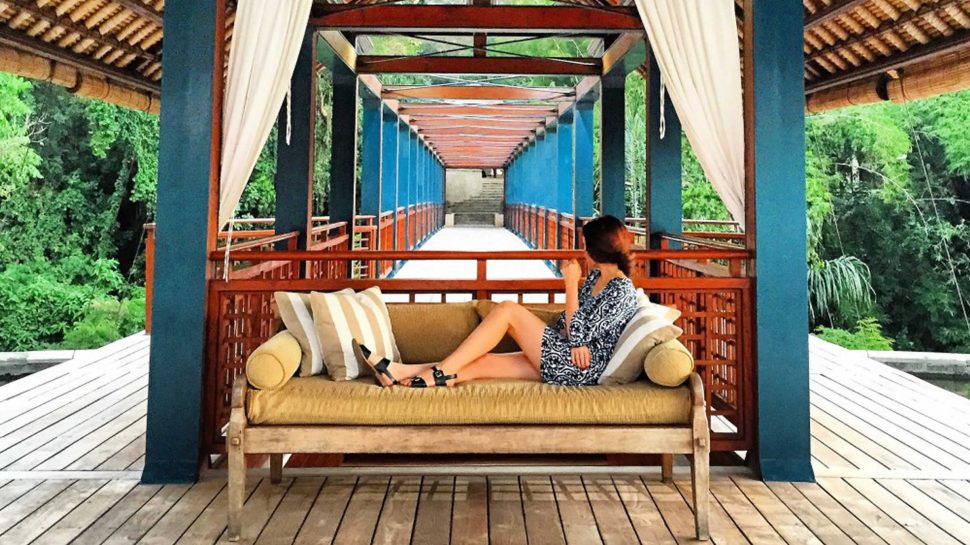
x=317 y=414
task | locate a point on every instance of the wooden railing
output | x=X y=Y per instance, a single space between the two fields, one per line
x=716 y=317
x=258 y=234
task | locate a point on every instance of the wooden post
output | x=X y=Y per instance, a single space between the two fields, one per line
x=663 y=208
x=343 y=150
x=775 y=203
x=188 y=174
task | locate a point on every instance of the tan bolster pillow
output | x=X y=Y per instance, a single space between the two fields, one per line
x=669 y=363
x=274 y=362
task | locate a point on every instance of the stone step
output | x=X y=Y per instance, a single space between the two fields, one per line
x=474 y=219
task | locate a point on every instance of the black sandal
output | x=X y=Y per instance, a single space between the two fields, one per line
x=440 y=379
x=377 y=369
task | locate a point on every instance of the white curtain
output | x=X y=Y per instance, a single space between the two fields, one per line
x=266 y=42
x=696 y=46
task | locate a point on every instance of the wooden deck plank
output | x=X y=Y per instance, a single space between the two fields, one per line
x=47 y=515
x=778 y=515
x=723 y=529
x=542 y=523
x=14 y=490
x=124 y=457
x=29 y=502
x=647 y=522
x=810 y=515
x=286 y=522
x=843 y=518
x=114 y=445
x=754 y=525
x=147 y=515
x=877 y=451
x=578 y=522
x=433 y=517
x=929 y=509
x=91 y=509
x=109 y=522
x=133 y=418
x=363 y=511
x=397 y=516
x=177 y=520
x=469 y=522
x=506 y=523
x=327 y=511
x=212 y=522
x=868 y=512
x=954 y=501
x=676 y=512
x=611 y=516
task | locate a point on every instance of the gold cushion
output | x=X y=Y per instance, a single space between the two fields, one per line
x=274 y=362
x=320 y=400
x=427 y=332
x=669 y=363
x=548 y=313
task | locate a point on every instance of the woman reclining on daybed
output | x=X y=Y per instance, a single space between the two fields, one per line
x=573 y=352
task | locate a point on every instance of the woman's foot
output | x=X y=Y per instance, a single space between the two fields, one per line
x=380 y=368
x=433 y=377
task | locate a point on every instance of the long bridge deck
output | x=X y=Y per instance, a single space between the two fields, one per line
x=891 y=452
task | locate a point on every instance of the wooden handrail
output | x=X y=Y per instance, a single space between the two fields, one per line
x=439 y=255
x=261 y=242
x=689 y=239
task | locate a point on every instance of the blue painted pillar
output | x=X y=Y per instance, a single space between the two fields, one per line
x=613 y=146
x=583 y=188
x=294 y=159
x=389 y=164
x=779 y=221
x=664 y=207
x=551 y=172
x=564 y=169
x=370 y=156
x=343 y=149
x=412 y=186
x=186 y=231
x=401 y=186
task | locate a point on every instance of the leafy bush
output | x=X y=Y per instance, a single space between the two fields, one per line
x=867 y=335
x=107 y=320
x=40 y=301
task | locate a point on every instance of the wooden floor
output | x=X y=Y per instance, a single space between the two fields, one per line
x=891 y=453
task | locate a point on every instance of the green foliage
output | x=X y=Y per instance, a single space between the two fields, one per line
x=866 y=335
x=839 y=288
x=106 y=320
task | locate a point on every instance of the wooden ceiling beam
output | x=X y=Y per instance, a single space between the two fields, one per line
x=49 y=14
x=463 y=19
x=507 y=110
x=495 y=131
x=20 y=41
x=522 y=66
x=481 y=122
x=478 y=92
x=836 y=9
x=141 y=10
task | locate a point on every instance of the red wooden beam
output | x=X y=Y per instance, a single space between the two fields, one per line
x=477 y=92
x=525 y=66
x=475 y=131
x=462 y=19
x=473 y=123
x=416 y=109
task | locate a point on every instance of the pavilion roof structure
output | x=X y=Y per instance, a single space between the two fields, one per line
x=854 y=49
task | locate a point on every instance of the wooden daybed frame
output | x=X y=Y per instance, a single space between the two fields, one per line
x=692 y=439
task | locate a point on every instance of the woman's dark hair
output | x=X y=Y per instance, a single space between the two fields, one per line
x=608 y=241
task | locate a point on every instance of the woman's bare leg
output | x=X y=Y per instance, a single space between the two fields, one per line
x=508 y=317
x=511 y=365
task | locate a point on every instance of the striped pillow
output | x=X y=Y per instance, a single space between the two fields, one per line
x=651 y=325
x=294 y=309
x=340 y=318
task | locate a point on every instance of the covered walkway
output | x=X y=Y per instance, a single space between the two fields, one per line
x=478 y=239
x=891 y=452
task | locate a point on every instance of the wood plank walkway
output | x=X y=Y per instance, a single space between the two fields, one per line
x=891 y=453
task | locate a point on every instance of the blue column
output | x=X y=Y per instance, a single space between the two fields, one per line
x=779 y=220
x=185 y=233
x=389 y=164
x=370 y=156
x=613 y=146
x=664 y=209
x=551 y=171
x=583 y=189
x=412 y=184
x=565 y=158
x=294 y=159
x=401 y=185
x=343 y=148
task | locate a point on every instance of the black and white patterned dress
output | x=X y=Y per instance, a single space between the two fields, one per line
x=596 y=324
